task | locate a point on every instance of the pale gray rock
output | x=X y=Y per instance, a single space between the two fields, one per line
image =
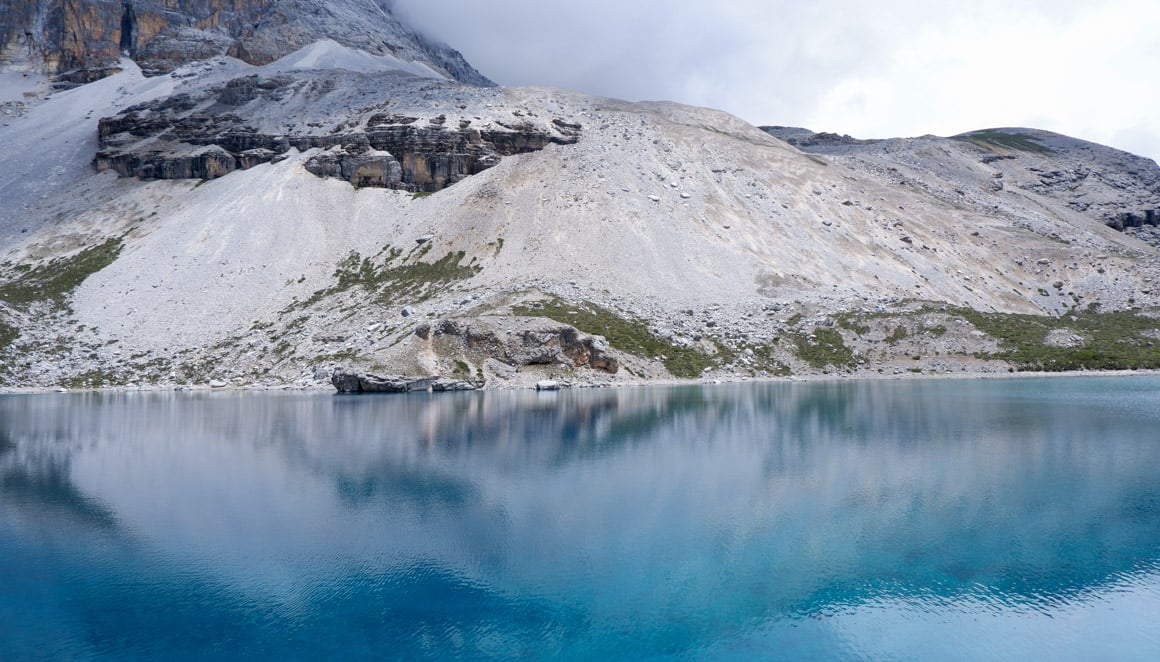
x=537 y=342
x=1118 y=189
x=443 y=385
x=350 y=381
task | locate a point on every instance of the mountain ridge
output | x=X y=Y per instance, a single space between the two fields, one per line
x=1118 y=188
x=355 y=214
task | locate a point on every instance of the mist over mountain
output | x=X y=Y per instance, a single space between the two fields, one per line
x=274 y=193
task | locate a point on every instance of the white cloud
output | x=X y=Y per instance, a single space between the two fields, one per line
x=899 y=67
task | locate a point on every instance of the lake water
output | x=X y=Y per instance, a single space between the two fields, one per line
x=943 y=520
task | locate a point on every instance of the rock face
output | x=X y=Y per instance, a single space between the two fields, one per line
x=210 y=132
x=542 y=342
x=979 y=168
x=539 y=342
x=79 y=41
x=349 y=381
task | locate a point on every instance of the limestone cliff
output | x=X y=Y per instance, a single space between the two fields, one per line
x=79 y=41
x=371 y=139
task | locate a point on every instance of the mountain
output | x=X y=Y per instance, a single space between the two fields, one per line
x=1108 y=185
x=79 y=41
x=357 y=205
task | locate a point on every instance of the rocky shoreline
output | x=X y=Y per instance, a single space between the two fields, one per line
x=325 y=386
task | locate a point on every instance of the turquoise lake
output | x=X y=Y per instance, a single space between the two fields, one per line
x=912 y=520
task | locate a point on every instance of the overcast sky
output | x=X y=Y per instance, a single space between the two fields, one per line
x=1090 y=69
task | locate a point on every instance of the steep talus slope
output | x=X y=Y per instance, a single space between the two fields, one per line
x=338 y=208
x=79 y=41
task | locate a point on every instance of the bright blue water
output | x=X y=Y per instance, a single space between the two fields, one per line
x=943 y=520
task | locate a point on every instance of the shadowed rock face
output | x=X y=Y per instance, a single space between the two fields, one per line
x=79 y=41
x=209 y=133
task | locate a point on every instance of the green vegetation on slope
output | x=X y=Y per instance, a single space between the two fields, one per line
x=53 y=282
x=8 y=335
x=823 y=347
x=1017 y=141
x=391 y=284
x=1109 y=341
x=626 y=335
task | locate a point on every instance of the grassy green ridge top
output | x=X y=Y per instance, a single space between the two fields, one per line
x=1017 y=141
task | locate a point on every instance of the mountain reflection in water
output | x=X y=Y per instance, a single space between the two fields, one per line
x=705 y=521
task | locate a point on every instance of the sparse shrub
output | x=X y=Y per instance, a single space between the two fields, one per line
x=827 y=348
x=899 y=333
x=1113 y=341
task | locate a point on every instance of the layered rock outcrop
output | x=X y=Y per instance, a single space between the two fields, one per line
x=537 y=343
x=210 y=133
x=352 y=381
x=541 y=342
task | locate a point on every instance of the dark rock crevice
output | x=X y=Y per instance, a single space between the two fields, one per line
x=128 y=41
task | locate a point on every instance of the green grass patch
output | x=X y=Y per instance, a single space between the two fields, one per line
x=339 y=356
x=1017 y=141
x=93 y=379
x=626 y=335
x=765 y=360
x=850 y=323
x=826 y=348
x=1112 y=341
x=8 y=335
x=389 y=283
x=899 y=333
x=54 y=281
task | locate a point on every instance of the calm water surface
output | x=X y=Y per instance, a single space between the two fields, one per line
x=948 y=520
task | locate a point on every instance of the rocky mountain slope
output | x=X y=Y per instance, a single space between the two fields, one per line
x=79 y=41
x=353 y=208
x=982 y=169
